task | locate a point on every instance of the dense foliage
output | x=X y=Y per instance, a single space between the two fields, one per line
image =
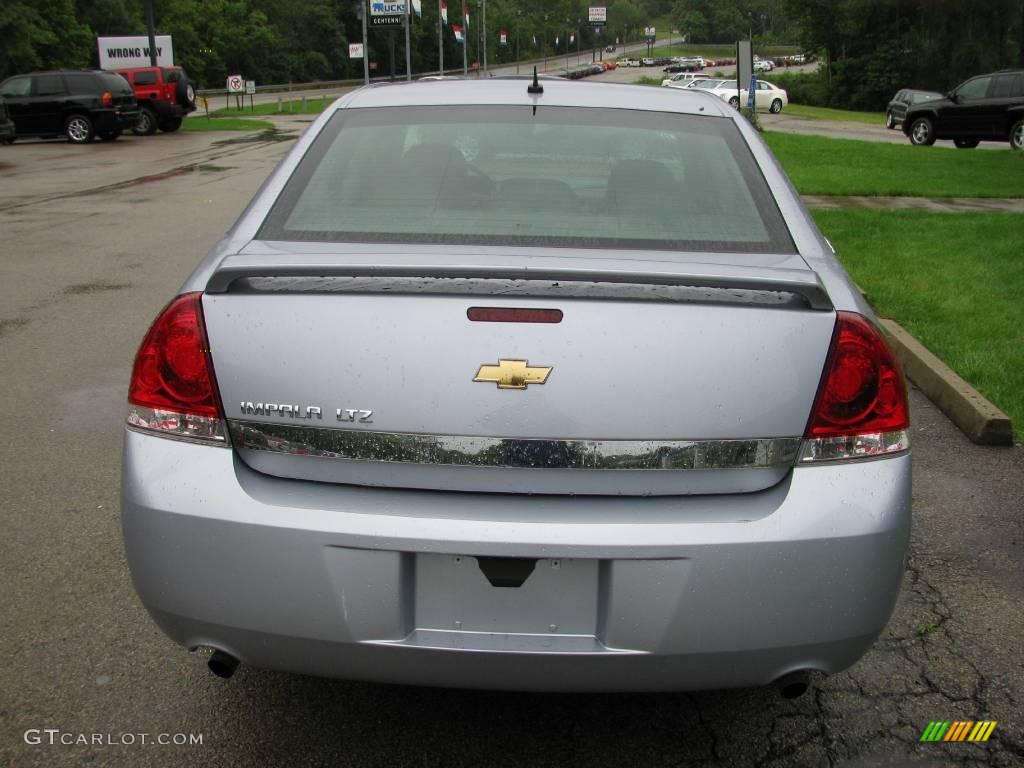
x=280 y=41
x=870 y=48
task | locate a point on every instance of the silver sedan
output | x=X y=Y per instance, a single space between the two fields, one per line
x=523 y=385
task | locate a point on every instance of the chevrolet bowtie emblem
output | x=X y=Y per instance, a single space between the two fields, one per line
x=513 y=374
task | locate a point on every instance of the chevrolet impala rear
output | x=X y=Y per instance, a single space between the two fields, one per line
x=548 y=386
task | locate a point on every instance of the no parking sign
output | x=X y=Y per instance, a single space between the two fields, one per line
x=235 y=84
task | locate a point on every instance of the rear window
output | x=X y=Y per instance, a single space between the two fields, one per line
x=145 y=78
x=563 y=177
x=113 y=81
x=1008 y=86
x=172 y=75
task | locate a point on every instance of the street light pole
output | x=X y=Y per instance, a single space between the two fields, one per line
x=440 y=40
x=483 y=28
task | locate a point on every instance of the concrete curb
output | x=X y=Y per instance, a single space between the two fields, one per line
x=976 y=417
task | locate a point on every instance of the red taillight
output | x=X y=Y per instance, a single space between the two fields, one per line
x=108 y=99
x=172 y=369
x=862 y=390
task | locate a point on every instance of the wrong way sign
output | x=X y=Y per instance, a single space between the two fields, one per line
x=236 y=84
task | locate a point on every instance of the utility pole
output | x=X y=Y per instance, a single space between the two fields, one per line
x=408 y=47
x=440 y=39
x=361 y=10
x=484 y=30
x=151 y=28
x=519 y=13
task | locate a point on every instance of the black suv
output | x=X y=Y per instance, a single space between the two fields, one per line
x=78 y=104
x=985 y=108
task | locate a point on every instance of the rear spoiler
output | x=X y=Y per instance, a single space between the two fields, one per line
x=801 y=282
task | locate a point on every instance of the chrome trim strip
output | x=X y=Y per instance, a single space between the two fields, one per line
x=461 y=450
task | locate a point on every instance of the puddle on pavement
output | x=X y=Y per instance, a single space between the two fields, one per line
x=7 y=326
x=269 y=135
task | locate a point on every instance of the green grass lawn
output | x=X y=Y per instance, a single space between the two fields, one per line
x=826 y=113
x=955 y=281
x=314 y=106
x=224 y=124
x=821 y=166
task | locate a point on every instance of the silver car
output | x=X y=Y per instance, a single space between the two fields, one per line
x=521 y=385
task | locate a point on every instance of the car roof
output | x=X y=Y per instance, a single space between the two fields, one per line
x=562 y=93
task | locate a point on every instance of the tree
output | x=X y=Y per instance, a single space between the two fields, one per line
x=113 y=17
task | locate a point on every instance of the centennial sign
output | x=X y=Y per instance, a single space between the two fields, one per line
x=387 y=13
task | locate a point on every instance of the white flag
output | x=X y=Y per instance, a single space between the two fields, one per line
x=572 y=39
x=459 y=38
x=417 y=8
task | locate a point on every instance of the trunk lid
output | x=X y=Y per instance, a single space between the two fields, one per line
x=675 y=388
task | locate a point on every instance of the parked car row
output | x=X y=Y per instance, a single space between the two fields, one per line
x=82 y=105
x=984 y=108
x=583 y=70
x=767 y=96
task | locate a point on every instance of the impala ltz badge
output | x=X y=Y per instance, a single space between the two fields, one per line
x=308 y=412
x=513 y=374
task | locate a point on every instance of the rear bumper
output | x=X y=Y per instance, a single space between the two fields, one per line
x=167 y=111
x=383 y=585
x=113 y=119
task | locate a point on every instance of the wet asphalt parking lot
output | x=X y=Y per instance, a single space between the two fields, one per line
x=95 y=240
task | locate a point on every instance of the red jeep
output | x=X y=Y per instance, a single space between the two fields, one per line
x=165 y=96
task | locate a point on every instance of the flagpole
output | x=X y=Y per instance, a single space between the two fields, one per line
x=465 y=42
x=440 y=39
x=408 y=47
x=483 y=27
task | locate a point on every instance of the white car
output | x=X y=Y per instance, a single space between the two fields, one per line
x=763 y=65
x=682 y=79
x=697 y=60
x=628 y=63
x=768 y=96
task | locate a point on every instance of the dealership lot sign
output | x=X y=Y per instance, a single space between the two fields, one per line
x=386 y=13
x=125 y=52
